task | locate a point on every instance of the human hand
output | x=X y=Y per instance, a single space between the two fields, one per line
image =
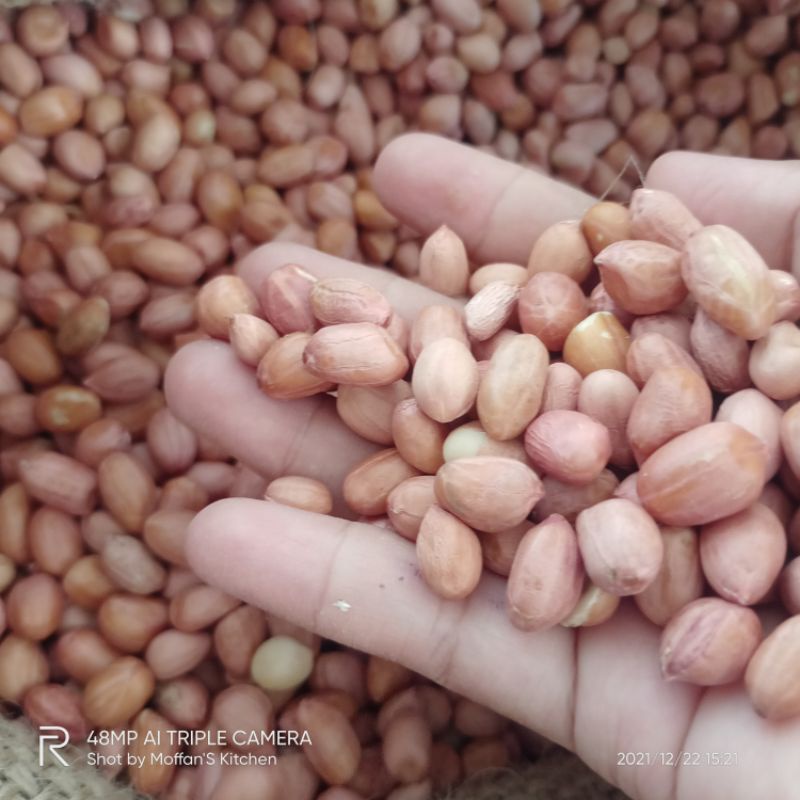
x=597 y=691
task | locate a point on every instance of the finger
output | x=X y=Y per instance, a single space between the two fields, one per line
x=496 y=207
x=359 y=585
x=758 y=198
x=210 y=390
x=405 y=296
x=731 y=752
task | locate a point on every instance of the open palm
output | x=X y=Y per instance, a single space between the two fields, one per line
x=597 y=691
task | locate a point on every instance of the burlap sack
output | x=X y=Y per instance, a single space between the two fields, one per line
x=21 y=777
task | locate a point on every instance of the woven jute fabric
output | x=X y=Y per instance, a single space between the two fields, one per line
x=557 y=775
x=21 y=777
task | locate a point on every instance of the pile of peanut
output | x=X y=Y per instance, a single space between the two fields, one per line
x=143 y=153
x=571 y=439
x=139 y=158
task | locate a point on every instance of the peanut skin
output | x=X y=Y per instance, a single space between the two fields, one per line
x=768 y=679
x=356 y=353
x=449 y=554
x=621 y=546
x=568 y=445
x=489 y=493
x=703 y=475
x=546 y=576
x=730 y=281
x=511 y=390
x=709 y=642
x=445 y=380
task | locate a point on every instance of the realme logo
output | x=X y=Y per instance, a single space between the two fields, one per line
x=56 y=734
